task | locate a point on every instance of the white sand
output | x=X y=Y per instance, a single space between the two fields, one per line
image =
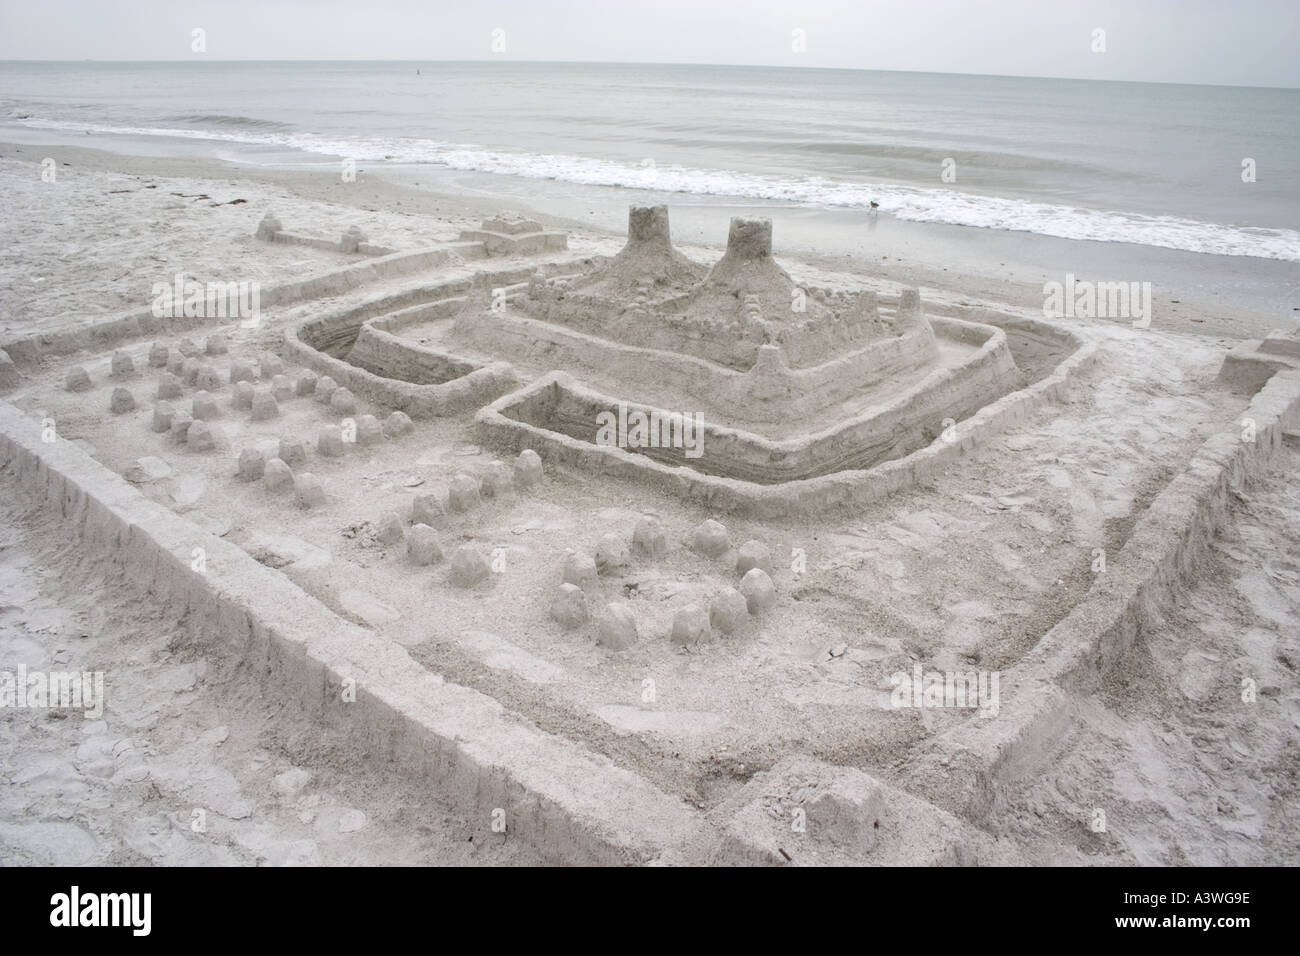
x=1184 y=771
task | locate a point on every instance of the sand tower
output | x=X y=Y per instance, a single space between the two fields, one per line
x=648 y=257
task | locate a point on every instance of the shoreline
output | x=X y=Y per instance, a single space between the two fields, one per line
x=1226 y=298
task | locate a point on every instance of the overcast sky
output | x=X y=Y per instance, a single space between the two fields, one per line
x=1247 y=42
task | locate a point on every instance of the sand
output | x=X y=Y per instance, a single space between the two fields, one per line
x=185 y=768
x=969 y=567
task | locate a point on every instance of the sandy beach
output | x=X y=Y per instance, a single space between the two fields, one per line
x=1223 y=298
x=893 y=581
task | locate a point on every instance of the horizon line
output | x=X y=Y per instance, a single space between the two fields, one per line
x=200 y=58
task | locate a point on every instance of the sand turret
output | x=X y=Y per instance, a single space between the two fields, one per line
x=749 y=239
x=648 y=257
x=748 y=269
x=647 y=227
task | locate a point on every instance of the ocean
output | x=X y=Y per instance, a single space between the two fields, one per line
x=1153 y=164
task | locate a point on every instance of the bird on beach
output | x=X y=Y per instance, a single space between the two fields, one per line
x=874 y=205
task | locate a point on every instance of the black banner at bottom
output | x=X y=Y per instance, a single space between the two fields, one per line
x=339 y=905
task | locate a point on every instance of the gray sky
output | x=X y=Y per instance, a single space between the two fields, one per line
x=1247 y=42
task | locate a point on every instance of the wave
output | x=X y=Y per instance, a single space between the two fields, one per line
x=912 y=203
x=222 y=119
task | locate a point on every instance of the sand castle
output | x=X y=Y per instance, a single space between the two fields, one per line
x=792 y=384
x=786 y=384
x=434 y=514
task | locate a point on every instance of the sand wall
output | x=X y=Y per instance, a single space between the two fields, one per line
x=980 y=761
x=311 y=343
x=901 y=427
x=766 y=393
x=388 y=356
x=101 y=334
x=573 y=805
x=812 y=495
